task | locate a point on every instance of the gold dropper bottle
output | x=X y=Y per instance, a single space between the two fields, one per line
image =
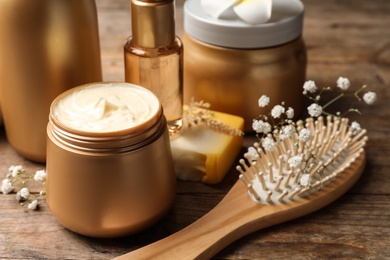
x=154 y=56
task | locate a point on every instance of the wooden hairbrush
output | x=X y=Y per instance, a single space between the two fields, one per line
x=271 y=190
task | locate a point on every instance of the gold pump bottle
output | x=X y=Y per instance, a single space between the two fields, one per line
x=154 y=56
x=46 y=47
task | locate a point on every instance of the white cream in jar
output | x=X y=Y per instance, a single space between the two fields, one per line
x=106 y=107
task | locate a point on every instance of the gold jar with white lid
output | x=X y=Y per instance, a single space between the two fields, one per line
x=230 y=63
x=109 y=163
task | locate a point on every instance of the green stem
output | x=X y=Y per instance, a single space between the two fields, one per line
x=358 y=91
x=333 y=100
x=326 y=113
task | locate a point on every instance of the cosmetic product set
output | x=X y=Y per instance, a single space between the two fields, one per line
x=113 y=150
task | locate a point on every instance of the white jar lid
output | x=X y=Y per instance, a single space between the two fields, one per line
x=284 y=26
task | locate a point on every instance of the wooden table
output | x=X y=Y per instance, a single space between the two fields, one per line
x=348 y=38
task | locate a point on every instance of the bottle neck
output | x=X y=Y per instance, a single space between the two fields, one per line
x=153 y=23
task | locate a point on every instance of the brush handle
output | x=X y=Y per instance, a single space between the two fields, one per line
x=209 y=234
x=237 y=215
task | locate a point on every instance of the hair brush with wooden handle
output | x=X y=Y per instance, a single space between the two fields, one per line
x=272 y=189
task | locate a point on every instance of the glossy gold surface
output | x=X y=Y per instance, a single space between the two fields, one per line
x=46 y=47
x=232 y=80
x=110 y=184
x=153 y=23
x=160 y=71
x=153 y=56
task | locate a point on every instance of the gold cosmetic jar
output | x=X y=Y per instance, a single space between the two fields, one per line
x=231 y=64
x=113 y=183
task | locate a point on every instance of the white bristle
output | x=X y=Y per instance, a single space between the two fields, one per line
x=281 y=164
x=281 y=197
x=271 y=173
x=259 y=163
x=262 y=181
x=253 y=191
x=244 y=179
x=249 y=172
x=297 y=176
x=295 y=192
x=268 y=199
x=316 y=170
x=359 y=135
x=278 y=183
x=287 y=181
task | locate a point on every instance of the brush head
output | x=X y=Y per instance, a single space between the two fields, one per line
x=300 y=165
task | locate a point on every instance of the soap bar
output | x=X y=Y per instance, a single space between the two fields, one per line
x=203 y=154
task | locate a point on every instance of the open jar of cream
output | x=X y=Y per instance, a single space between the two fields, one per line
x=109 y=163
x=231 y=63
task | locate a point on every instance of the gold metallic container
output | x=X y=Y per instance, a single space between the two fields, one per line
x=231 y=64
x=46 y=47
x=109 y=184
x=153 y=56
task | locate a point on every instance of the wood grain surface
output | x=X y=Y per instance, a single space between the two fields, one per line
x=349 y=38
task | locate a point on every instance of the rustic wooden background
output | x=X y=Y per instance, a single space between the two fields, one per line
x=348 y=38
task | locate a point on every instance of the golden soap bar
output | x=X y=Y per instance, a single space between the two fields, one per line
x=203 y=154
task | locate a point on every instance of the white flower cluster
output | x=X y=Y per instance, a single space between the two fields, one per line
x=261 y=125
x=316 y=110
x=282 y=126
x=17 y=177
x=284 y=129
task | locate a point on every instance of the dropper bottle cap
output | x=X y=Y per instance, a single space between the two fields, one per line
x=153 y=23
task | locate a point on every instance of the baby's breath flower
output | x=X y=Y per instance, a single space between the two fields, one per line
x=355 y=128
x=295 y=161
x=15 y=170
x=40 y=176
x=18 y=179
x=277 y=111
x=263 y=101
x=343 y=83
x=290 y=112
x=369 y=97
x=25 y=193
x=286 y=132
x=33 y=205
x=268 y=144
x=309 y=86
x=305 y=180
x=18 y=197
x=305 y=135
x=252 y=153
x=261 y=127
x=314 y=110
x=6 y=186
